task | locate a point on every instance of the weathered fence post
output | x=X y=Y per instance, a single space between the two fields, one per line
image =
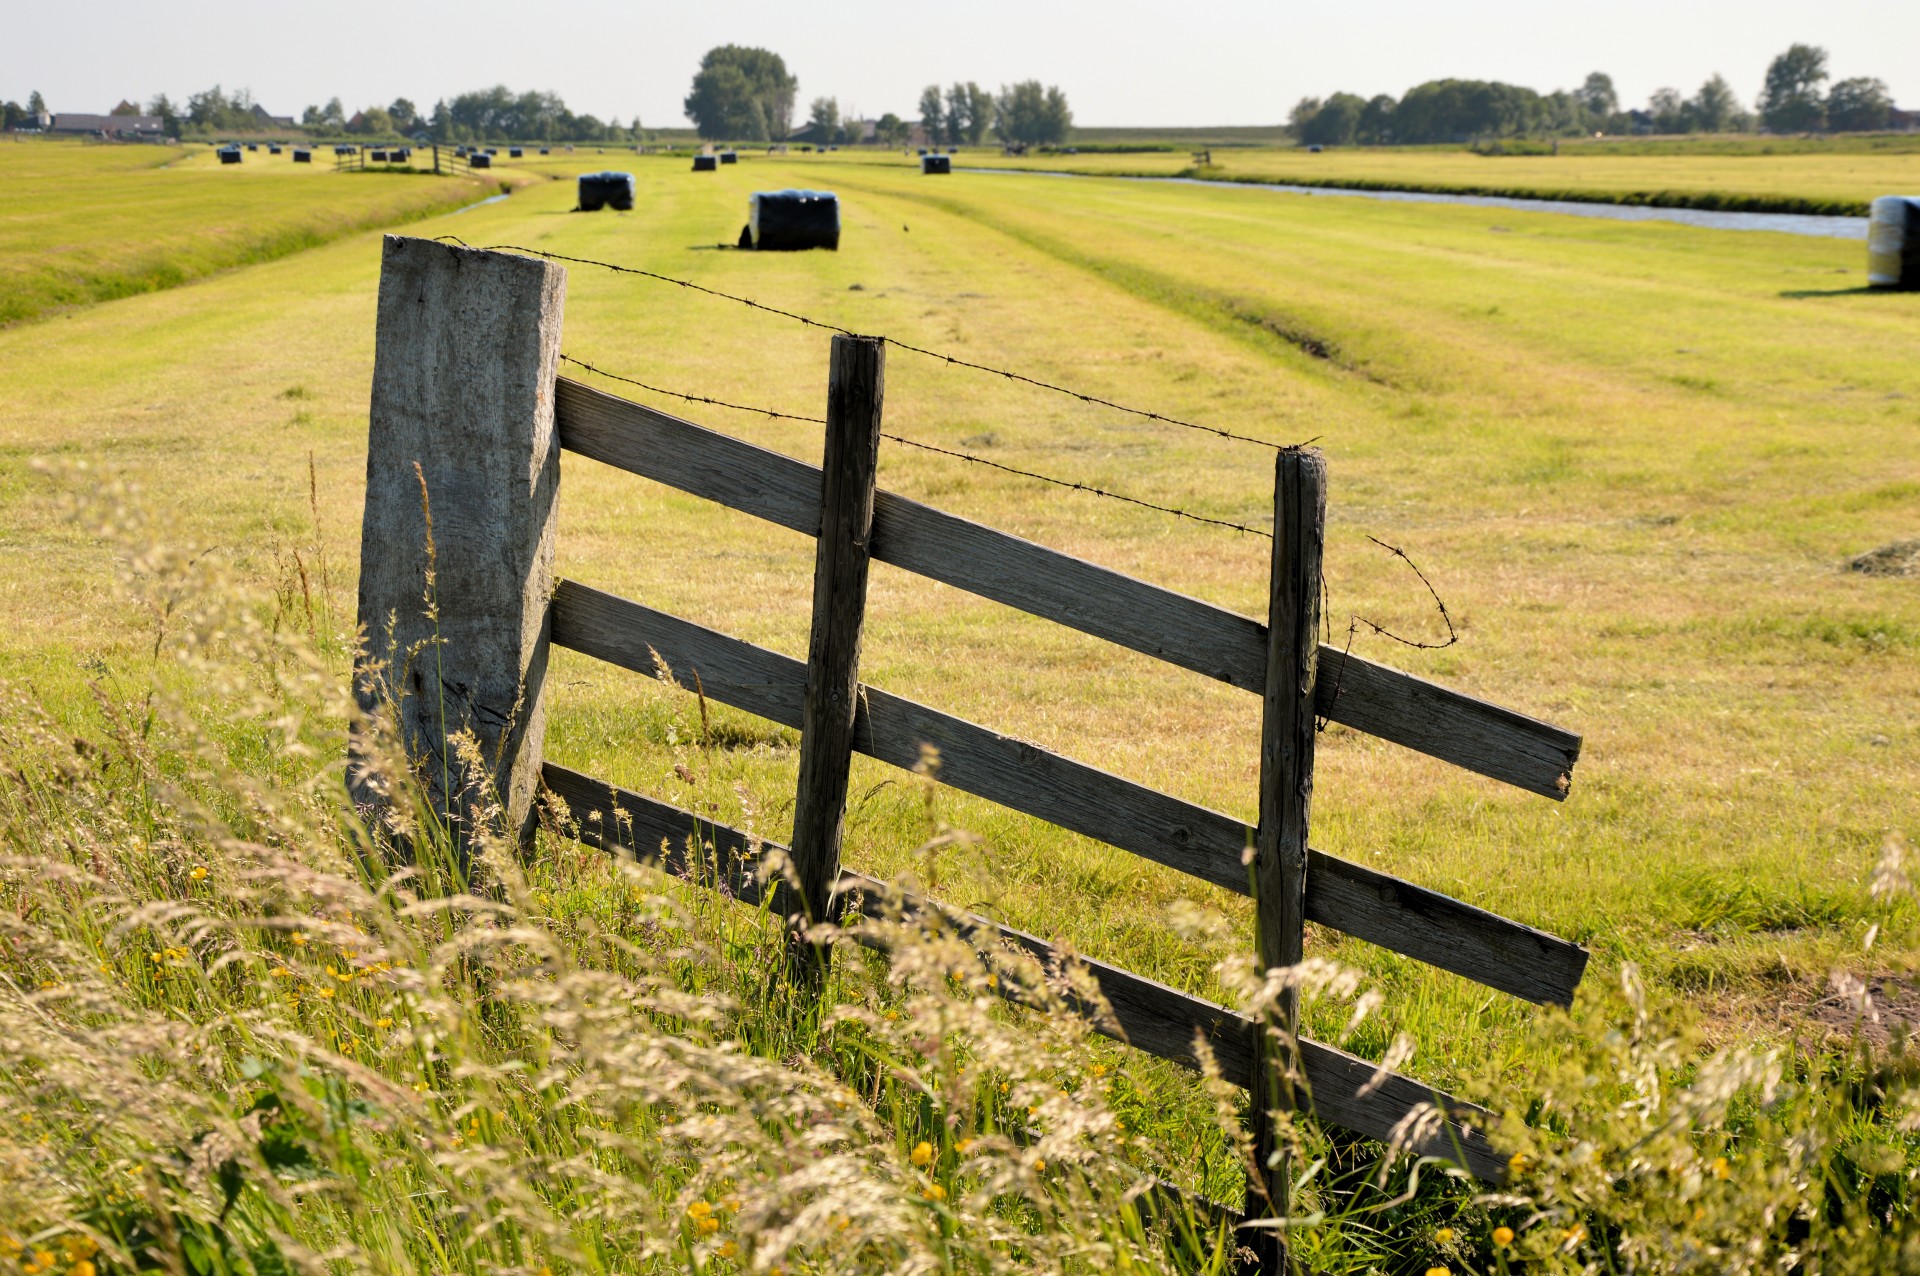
x=456 y=546
x=855 y=387
x=1286 y=793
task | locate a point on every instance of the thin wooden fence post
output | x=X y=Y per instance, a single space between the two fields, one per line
x=456 y=544
x=855 y=386
x=1286 y=794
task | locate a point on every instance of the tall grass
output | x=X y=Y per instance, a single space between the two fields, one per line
x=242 y=1031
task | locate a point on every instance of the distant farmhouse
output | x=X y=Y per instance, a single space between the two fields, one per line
x=124 y=126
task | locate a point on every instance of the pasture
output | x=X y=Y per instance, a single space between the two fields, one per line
x=1779 y=174
x=80 y=223
x=1634 y=459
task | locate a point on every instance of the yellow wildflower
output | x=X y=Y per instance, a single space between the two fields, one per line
x=1699 y=1213
x=1574 y=1235
x=935 y=1192
x=327 y=994
x=299 y=940
x=1503 y=1236
x=281 y=972
x=81 y=1268
x=1039 y=1167
x=964 y=1146
x=729 y=1250
x=1437 y=1271
x=1518 y=1164
x=383 y=1023
x=199 y=873
x=1721 y=1170
x=922 y=1154
x=993 y=981
x=841 y=1222
x=1099 y=1069
x=706 y=1226
x=9 y=1246
x=1443 y=1236
x=699 y=1209
x=730 y=1203
x=420 y=1087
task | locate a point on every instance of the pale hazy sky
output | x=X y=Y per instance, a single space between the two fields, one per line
x=1120 y=61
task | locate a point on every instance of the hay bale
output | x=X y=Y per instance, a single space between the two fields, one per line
x=706 y=164
x=302 y=156
x=254 y=147
x=936 y=163
x=606 y=190
x=788 y=221
x=377 y=157
x=514 y=152
x=343 y=150
x=546 y=150
x=1893 y=242
x=1901 y=558
x=229 y=155
x=479 y=159
x=729 y=157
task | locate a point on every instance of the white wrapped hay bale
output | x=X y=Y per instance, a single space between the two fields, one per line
x=1893 y=242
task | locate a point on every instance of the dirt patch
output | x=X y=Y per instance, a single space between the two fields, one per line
x=1878 y=1007
x=1901 y=558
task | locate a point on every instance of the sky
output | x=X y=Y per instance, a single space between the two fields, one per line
x=1120 y=62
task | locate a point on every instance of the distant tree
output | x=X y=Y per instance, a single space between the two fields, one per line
x=1376 y=121
x=1461 y=110
x=933 y=115
x=36 y=105
x=125 y=108
x=742 y=93
x=1668 y=111
x=1302 y=114
x=1859 y=105
x=1790 y=101
x=372 y=122
x=163 y=106
x=823 y=120
x=1336 y=123
x=891 y=130
x=1029 y=115
x=1599 y=97
x=406 y=118
x=957 y=116
x=979 y=113
x=1714 y=109
x=13 y=116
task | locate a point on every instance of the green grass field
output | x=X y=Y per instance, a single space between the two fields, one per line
x=80 y=224
x=1633 y=458
x=1783 y=174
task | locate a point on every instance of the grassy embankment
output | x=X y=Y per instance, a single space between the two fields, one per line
x=81 y=224
x=1787 y=175
x=1633 y=458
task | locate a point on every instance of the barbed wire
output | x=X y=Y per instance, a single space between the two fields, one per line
x=950 y=359
x=1453 y=635
x=690 y=398
x=1082 y=487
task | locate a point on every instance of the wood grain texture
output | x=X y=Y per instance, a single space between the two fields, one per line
x=1348 y=897
x=1288 y=729
x=1150 y=1016
x=465 y=349
x=1169 y=626
x=856 y=385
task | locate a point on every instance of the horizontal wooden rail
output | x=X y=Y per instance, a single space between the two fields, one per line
x=1169 y=626
x=1358 y=901
x=1153 y=1017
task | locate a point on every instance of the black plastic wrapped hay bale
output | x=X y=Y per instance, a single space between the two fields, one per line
x=273 y=150
x=729 y=157
x=479 y=159
x=606 y=190
x=706 y=164
x=302 y=156
x=936 y=163
x=229 y=155
x=514 y=152
x=254 y=147
x=1893 y=243
x=546 y=150
x=343 y=150
x=377 y=157
x=788 y=221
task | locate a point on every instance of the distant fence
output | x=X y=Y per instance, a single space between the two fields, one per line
x=466 y=386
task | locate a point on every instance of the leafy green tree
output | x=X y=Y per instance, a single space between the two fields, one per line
x=1668 y=111
x=405 y=117
x=980 y=111
x=823 y=120
x=13 y=116
x=1461 y=110
x=1029 y=115
x=1336 y=123
x=933 y=115
x=36 y=105
x=1790 y=101
x=163 y=106
x=891 y=130
x=742 y=93
x=372 y=122
x=1376 y=121
x=1859 y=105
x=1302 y=115
x=1598 y=96
x=1714 y=109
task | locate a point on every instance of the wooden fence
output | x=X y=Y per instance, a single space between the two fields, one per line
x=466 y=388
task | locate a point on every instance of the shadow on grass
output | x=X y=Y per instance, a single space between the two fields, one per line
x=1864 y=290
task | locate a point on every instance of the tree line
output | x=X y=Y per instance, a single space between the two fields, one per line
x=745 y=94
x=1791 y=100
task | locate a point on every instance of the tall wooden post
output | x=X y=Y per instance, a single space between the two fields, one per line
x=456 y=545
x=1286 y=793
x=855 y=386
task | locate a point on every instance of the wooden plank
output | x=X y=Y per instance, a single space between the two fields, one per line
x=1151 y=1016
x=1350 y=898
x=856 y=382
x=1169 y=626
x=1287 y=732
